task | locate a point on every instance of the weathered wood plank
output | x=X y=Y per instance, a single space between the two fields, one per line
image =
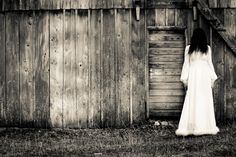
x=109 y=94
x=165 y=71
x=69 y=91
x=27 y=55
x=230 y=22
x=81 y=4
x=230 y=91
x=181 y=17
x=218 y=61
x=66 y=4
x=166 y=4
x=56 y=69
x=13 y=108
x=166 y=99
x=160 y=15
x=165 y=113
x=169 y=92
x=123 y=67
x=232 y=4
x=166 y=58
x=172 y=85
x=166 y=106
x=82 y=67
x=167 y=44
x=213 y=3
x=168 y=65
x=223 y=3
x=122 y=3
x=158 y=51
x=50 y=4
x=28 y=4
x=42 y=109
x=108 y=3
x=95 y=65
x=2 y=71
x=138 y=67
x=151 y=14
x=170 y=17
x=11 y=4
x=96 y=4
x=166 y=37
x=167 y=78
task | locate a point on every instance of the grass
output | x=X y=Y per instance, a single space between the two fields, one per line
x=136 y=141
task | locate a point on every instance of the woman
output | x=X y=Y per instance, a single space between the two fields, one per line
x=198 y=76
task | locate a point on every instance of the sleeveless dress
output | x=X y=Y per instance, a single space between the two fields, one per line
x=198 y=74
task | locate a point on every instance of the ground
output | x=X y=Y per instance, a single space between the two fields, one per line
x=141 y=140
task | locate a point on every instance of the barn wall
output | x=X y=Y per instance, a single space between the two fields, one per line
x=224 y=61
x=64 y=4
x=72 y=68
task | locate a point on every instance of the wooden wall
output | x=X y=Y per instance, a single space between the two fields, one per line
x=224 y=60
x=83 y=64
x=72 y=68
x=64 y=4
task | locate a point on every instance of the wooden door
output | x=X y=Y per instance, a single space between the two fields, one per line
x=166 y=55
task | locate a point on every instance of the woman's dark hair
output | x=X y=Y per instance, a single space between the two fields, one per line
x=198 y=41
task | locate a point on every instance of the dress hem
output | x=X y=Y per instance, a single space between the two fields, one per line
x=196 y=132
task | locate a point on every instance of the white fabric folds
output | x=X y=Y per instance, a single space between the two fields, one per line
x=198 y=74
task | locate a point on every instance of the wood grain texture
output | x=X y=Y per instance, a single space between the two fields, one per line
x=2 y=71
x=160 y=15
x=169 y=85
x=13 y=108
x=56 y=69
x=219 y=89
x=166 y=99
x=138 y=68
x=69 y=88
x=109 y=95
x=42 y=81
x=50 y=4
x=27 y=71
x=166 y=4
x=82 y=4
x=123 y=67
x=66 y=4
x=108 y=3
x=96 y=4
x=166 y=37
x=151 y=14
x=82 y=67
x=181 y=17
x=95 y=73
x=122 y=3
x=165 y=106
x=170 y=17
x=230 y=90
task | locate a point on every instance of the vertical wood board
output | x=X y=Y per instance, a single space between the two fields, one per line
x=95 y=64
x=41 y=59
x=69 y=88
x=13 y=108
x=109 y=69
x=56 y=69
x=27 y=71
x=2 y=71
x=82 y=67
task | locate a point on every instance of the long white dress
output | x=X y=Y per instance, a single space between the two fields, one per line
x=198 y=74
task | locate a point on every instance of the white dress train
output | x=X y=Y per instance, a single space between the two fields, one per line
x=198 y=74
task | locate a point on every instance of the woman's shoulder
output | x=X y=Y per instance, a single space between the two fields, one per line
x=187 y=46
